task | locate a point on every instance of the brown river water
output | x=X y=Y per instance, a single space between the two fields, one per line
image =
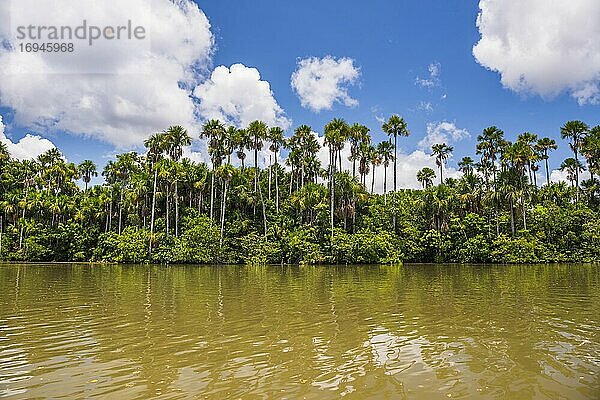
x=76 y=331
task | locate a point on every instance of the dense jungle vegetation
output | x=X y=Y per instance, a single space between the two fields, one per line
x=162 y=207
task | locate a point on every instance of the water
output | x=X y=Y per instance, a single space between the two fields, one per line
x=415 y=332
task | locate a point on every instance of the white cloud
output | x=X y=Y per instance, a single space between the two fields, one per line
x=442 y=132
x=143 y=91
x=542 y=47
x=319 y=82
x=434 y=76
x=557 y=175
x=425 y=106
x=30 y=146
x=238 y=96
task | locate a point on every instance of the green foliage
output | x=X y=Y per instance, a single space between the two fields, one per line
x=131 y=246
x=301 y=246
x=514 y=250
x=160 y=207
x=365 y=247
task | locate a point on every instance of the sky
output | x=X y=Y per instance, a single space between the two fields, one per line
x=450 y=68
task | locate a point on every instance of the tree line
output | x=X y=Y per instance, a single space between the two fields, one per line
x=159 y=206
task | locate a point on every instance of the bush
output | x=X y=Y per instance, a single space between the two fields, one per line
x=365 y=247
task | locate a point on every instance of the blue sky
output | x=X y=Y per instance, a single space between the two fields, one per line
x=392 y=43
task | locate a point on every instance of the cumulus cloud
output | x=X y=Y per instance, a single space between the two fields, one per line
x=27 y=148
x=138 y=92
x=238 y=96
x=442 y=132
x=542 y=47
x=320 y=82
x=557 y=175
x=434 y=76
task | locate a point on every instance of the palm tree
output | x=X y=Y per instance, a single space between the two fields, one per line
x=365 y=151
x=175 y=138
x=226 y=173
x=87 y=169
x=376 y=160
x=213 y=130
x=591 y=150
x=276 y=139
x=466 y=165
x=357 y=134
x=155 y=145
x=575 y=131
x=528 y=141
x=257 y=130
x=335 y=134
x=543 y=146
x=441 y=152
x=242 y=142
x=426 y=176
x=395 y=126
x=572 y=166
x=386 y=150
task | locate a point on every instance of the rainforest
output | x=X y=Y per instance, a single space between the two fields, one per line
x=157 y=206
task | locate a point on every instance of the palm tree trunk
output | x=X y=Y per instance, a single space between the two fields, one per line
x=270 y=175
x=512 y=217
x=153 y=207
x=264 y=211
x=385 y=185
x=23 y=218
x=167 y=210
x=373 y=180
x=120 y=210
x=176 y=209
x=212 y=192
x=276 y=185
x=255 y=170
x=223 y=208
x=331 y=187
x=395 y=181
x=576 y=176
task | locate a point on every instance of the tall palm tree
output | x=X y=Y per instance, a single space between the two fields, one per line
x=376 y=161
x=365 y=151
x=575 y=131
x=213 y=130
x=176 y=137
x=276 y=138
x=87 y=169
x=335 y=133
x=257 y=130
x=528 y=141
x=466 y=165
x=441 y=152
x=242 y=142
x=543 y=146
x=591 y=150
x=357 y=134
x=386 y=150
x=226 y=173
x=155 y=145
x=426 y=176
x=572 y=167
x=395 y=126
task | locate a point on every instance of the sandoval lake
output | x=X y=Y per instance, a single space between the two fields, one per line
x=413 y=331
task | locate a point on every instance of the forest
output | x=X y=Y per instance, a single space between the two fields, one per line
x=160 y=207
